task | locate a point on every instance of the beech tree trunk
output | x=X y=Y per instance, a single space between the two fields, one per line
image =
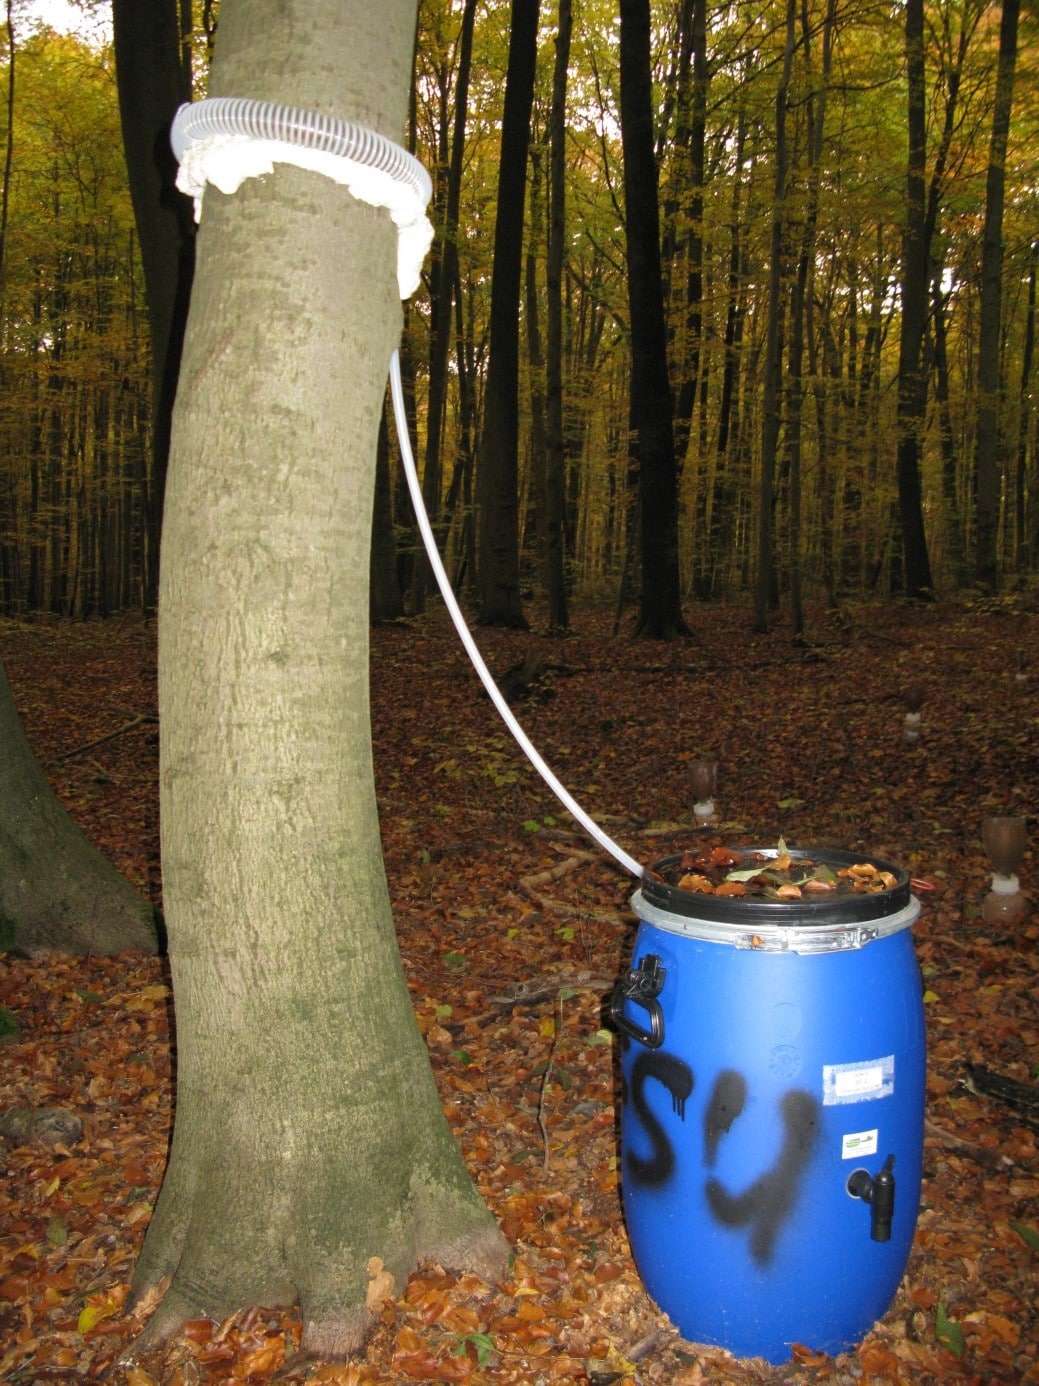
x=912 y=380
x=58 y=894
x=660 y=610
x=497 y=464
x=771 y=392
x=555 y=462
x=989 y=439
x=154 y=78
x=309 y=1136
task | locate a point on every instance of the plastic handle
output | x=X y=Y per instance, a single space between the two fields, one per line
x=641 y=985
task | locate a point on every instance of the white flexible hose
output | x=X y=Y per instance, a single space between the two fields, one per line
x=199 y=121
x=226 y=139
x=465 y=635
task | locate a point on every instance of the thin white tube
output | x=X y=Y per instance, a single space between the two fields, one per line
x=465 y=635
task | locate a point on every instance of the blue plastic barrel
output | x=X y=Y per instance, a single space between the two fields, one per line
x=773 y=1071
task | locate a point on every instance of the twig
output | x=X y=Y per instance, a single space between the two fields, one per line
x=140 y=720
x=980 y=1154
x=528 y=884
x=551 y=906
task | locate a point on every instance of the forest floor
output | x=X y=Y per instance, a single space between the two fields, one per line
x=513 y=931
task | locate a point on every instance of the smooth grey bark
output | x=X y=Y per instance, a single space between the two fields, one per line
x=309 y=1136
x=58 y=894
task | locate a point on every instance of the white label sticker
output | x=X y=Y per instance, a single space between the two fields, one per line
x=862 y=1082
x=857 y=1144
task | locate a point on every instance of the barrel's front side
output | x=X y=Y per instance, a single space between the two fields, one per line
x=776 y=1078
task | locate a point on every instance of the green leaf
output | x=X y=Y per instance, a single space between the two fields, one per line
x=461 y=1056
x=949 y=1333
x=87 y=995
x=8 y=1024
x=57 y=1231
x=1029 y=1235
x=443 y=1011
x=567 y=993
x=566 y=933
x=456 y=961
x=788 y=803
x=532 y=826
x=484 y=1345
x=930 y=996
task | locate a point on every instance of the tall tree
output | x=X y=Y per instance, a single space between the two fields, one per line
x=555 y=462
x=498 y=461
x=310 y=1149
x=771 y=394
x=660 y=609
x=912 y=379
x=153 y=65
x=442 y=286
x=989 y=468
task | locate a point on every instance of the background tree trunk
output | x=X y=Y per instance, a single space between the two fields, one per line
x=154 y=74
x=309 y=1135
x=912 y=381
x=771 y=394
x=555 y=460
x=988 y=453
x=58 y=894
x=497 y=463
x=442 y=288
x=660 y=610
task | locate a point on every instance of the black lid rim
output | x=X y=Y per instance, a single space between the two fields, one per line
x=727 y=909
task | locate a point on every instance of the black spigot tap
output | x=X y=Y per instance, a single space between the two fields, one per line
x=878 y=1190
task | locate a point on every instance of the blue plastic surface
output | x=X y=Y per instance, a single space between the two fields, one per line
x=779 y=1076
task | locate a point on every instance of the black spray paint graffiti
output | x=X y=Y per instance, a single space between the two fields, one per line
x=677 y=1077
x=766 y=1204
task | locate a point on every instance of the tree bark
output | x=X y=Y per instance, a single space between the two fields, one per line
x=58 y=894
x=442 y=287
x=912 y=381
x=988 y=459
x=771 y=395
x=660 y=609
x=309 y=1135
x=154 y=78
x=555 y=461
x=497 y=463
x=386 y=598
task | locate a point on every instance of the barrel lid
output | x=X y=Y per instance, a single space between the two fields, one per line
x=822 y=922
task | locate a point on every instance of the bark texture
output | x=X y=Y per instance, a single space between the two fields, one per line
x=58 y=894
x=660 y=608
x=309 y=1135
x=497 y=482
